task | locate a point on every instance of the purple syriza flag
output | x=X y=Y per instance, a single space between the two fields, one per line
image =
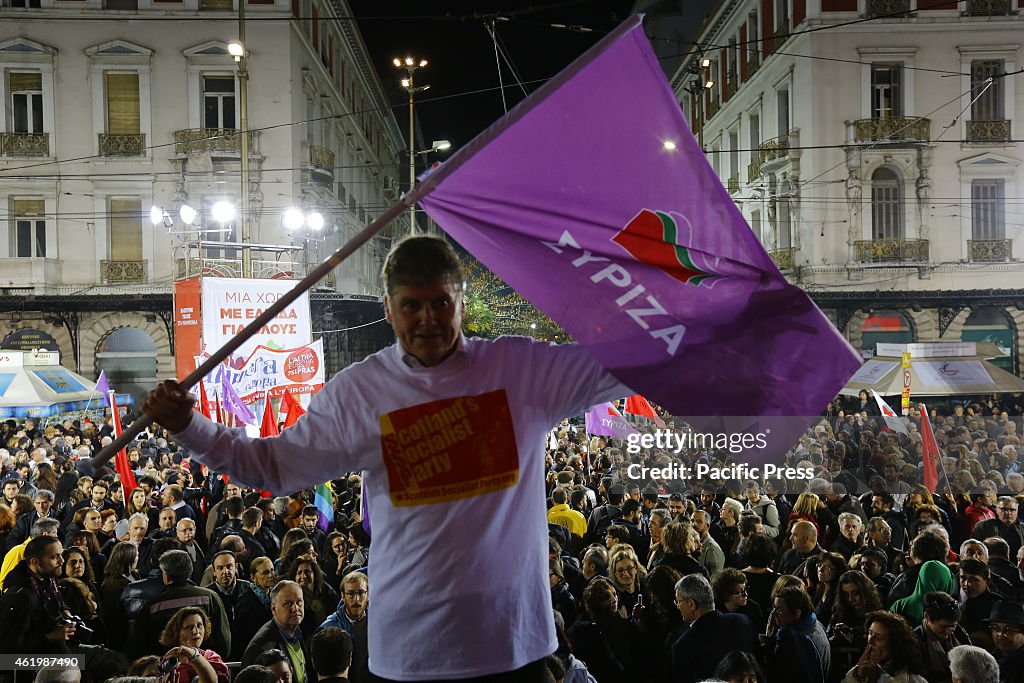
x=593 y=200
x=604 y=420
x=233 y=402
x=103 y=387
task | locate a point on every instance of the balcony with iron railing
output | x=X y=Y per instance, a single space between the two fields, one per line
x=783 y=258
x=261 y=269
x=989 y=251
x=885 y=8
x=893 y=129
x=24 y=144
x=120 y=272
x=321 y=162
x=122 y=145
x=988 y=8
x=214 y=141
x=988 y=131
x=894 y=250
x=733 y=183
x=768 y=151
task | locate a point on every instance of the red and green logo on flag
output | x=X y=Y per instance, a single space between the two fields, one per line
x=651 y=238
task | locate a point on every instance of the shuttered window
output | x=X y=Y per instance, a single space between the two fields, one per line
x=987 y=104
x=125 y=229
x=886 y=205
x=988 y=209
x=122 y=103
x=29 y=227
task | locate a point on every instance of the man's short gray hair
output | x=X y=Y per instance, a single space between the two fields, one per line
x=734 y=505
x=43 y=494
x=695 y=587
x=177 y=565
x=849 y=516
x=139 y=515
x=971 y=664
x=44 y=526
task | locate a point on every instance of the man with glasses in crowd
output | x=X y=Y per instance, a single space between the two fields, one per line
x=351 y=618
x=1005 y=525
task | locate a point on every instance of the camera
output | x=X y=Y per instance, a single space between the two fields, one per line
x=168 y=666
x=78 y=623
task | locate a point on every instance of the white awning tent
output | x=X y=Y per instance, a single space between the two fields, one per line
x=34 y=384
x=936 y=369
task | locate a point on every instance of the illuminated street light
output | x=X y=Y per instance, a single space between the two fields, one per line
x=223 y=211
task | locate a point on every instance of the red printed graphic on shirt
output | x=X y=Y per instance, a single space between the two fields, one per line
x=449 y=449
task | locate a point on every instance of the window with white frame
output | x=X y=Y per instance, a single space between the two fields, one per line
x=26 y=102
x=754 y=125
x=886 y=86
x=988 y=209
x=734 y=153
x=886 y=205
x=782 y=16
x=219 y=101
x=122 y=103
x=28 y=229
x=753 y=32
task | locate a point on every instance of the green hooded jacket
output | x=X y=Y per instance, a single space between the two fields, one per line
x=934 y=577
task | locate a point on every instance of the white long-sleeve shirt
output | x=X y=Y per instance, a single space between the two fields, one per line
x=455 y=489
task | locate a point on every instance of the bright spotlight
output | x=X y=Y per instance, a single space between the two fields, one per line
x=223 y=211
x=315 y=221
x=293 y=219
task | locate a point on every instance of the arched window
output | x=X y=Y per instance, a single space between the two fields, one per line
x=886 y=205
x=128 y=356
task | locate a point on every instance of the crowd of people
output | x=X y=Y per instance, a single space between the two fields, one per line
x=859 y=574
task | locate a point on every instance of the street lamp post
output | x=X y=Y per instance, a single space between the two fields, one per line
x=411 y=64
x=237 y=50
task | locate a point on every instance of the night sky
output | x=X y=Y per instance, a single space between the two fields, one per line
x=453 y=38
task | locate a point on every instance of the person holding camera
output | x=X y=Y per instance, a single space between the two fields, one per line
x=33 y=617
x=186 y=659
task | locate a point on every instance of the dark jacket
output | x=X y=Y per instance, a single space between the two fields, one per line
x=26 y=616
x=795 y=657
x=269 y=637
x=250 y=614
x=231 y=599
x=609 y=645
x=144 y=638
x=1011 y=667
x=137 y=593
x=21 y=529
x=702 y=646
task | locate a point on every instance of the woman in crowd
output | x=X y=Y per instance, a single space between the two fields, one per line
x=46 y=478
x=627 y=575
x=139 y=502
x=659 y=620
x=656 y=524
x=320 y=598
x=335 y=552
x=291 y=537
x=87 y=539
x=856 y=598
x=892 y=654
x=184 y=634
x=77 y=566
x=939 y=633
x=727 y=530
x=81 y=602
x=677 y=538
x=831 y=566
x=7 y=520
x=605 y=641
x=934 y=577
x=562 y=599
x=759 y=554
x=120 y=571
x=730 y=588
x=805 y=508
x=108 y=527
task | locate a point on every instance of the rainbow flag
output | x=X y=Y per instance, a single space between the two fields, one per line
x=323 y=499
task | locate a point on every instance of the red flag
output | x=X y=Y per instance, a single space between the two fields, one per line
x=294 y=408
x=638 y=405
x=268 y=427
x=203 y=405
x=124 y=470
x=220 y=413
x=930 y=453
